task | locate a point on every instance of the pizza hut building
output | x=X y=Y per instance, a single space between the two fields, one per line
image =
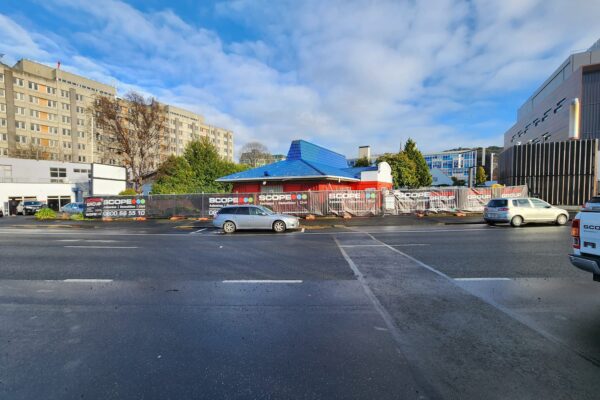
x=310 y=167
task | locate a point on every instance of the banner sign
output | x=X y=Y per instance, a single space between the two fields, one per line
x=115 y=207
x=218 y=201
x=476 y=199
x=286 y=203
x=123 y=207
x=93 y=207
x=409 y=201
x=357 y=202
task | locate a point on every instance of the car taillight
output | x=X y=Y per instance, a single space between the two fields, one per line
x=503 y=209
x=575 y=234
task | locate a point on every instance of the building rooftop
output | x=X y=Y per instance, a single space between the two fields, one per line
x=305 y=160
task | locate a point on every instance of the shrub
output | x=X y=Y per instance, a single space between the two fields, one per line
x=45 y=213
x=128 y=192
x=77 y=217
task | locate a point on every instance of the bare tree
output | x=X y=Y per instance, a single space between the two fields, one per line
x=133 y=128
x=255 y=154
x=32 y=151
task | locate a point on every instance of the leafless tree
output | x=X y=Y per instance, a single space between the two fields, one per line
x=133 y=127
x=255 y=154
x=32 y=151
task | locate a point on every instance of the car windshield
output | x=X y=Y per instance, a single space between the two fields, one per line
x=498 y=203
x=594 y=200
x=267 y=210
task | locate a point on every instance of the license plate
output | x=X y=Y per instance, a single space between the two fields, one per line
x=491 y=215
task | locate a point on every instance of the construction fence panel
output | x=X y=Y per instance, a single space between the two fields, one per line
x=322 y=203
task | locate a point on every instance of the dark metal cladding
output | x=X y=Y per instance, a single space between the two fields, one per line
x=562 y=173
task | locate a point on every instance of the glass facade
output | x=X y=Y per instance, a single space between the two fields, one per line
x=454 y=164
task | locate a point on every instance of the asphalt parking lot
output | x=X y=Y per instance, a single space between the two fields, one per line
x=160 y=311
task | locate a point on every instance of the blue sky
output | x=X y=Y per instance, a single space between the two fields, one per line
x=447 y=73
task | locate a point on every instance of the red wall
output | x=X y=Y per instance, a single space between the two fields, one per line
x=304 y=186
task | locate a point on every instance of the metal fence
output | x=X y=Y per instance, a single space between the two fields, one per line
x=322 y=203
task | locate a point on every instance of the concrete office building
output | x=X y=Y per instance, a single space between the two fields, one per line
x=455 y=163
x=553 y=145
x=44 y=114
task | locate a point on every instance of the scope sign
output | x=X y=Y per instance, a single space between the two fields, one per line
x=124 y=207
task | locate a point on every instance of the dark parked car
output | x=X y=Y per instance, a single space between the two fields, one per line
x=29 y=207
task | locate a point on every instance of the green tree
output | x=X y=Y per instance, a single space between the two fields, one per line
x=362 y=162
x=404 y=170
x=422 y=170
x=128 y=192
x=196 y=171
x=480 y=176
x=173 y=176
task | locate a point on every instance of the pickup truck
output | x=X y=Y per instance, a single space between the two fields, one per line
x=585 y=231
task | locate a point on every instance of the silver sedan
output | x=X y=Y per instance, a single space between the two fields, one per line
x=232 y=218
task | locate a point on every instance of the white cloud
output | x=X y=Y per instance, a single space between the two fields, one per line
x=342 y=73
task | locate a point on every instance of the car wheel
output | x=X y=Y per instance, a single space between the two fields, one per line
x=279 y=226
x=229 y=227
x=562 y=219
x=516 y=221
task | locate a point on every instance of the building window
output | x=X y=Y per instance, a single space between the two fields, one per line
x=34 y=100
x=53 y=130
x=80 y=134
x=36 y=140
x=81 y=158
x=19 y=96
x=1 y=92
x=52 y=103
x=18 y=82
x=58 y=172
x=65 y=94
x=50 y=90
x=20 y=124
x=67 y=145
x=34 y=127
x=3 y=137
x=66 y=132
x=66 y=120
x=2 y=122
x=34 y=113
x=2 y=107
x=21 y=139
x=1 y=77
x=66 y=106
x=33 y=85
x=4 y=152
x=81 y=146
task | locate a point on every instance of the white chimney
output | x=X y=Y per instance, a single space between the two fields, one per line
x=364 y=152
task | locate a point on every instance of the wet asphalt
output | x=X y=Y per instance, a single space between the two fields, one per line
x=176 y=311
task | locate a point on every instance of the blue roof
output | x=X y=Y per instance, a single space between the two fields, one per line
x=305 y=160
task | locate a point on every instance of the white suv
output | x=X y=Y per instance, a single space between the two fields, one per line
x=522 y=210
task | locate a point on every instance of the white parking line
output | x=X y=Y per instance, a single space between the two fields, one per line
x=261 y=281
x=103 y=247
x=482 y=279
x=362 y=245
x=198 y=231
x=87 y=280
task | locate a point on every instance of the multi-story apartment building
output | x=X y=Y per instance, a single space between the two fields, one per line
x=45 y=114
